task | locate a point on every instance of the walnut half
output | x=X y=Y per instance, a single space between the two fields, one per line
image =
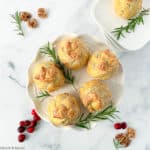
x=32 y=23
x=126 y=138
x=123 y=139
x=131 y=133
x=42 y=13
x=25 y=16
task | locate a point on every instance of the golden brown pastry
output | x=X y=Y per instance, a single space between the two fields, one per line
x=95 y=95
x=127 y=8
x=63 y=110
x=47 y=76
x=103 y=64
x=73 y=53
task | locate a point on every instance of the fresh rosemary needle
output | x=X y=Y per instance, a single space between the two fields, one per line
x=117 y=144
x=132 y=24
x=43 y=94
x=51 y=52
x=108 y=113
x=17 y=21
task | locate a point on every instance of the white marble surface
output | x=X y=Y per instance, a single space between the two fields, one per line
x=65 y=16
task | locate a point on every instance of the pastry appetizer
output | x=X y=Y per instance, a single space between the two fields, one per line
x=95 y=95
x=47 y=76
x=73 y=53
x=127 y=8
x=63 y=110
x=103 y=64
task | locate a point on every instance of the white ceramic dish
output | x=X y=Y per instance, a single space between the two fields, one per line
x=115 y=84
x=105 y=17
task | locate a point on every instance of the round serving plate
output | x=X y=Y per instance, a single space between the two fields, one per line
x=115 y=84
x=105 y=17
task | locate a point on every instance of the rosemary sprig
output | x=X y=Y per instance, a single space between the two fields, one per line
x=43 y=94
x=132 y=23
x=17 y=21
x=51 y=52
x=67 y=73
x=108 y=113
x=117 y=144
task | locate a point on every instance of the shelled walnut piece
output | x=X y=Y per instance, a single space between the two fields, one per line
x=25 y=16
x=32 y=23
x=125 y=138
x=42 y=13
x=46 y=75
x=131 y=133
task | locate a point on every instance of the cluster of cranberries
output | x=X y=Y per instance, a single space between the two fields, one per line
x=122 y=125
x=28 y=125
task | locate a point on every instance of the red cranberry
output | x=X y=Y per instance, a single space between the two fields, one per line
x=36 y=118
x=22 y=123
x=123 y=125
x=27 y=122
x=117 y=126
x=21 y=137
x=30 y=129
x=21 y=129
x=33 y=123
x=33 y=112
